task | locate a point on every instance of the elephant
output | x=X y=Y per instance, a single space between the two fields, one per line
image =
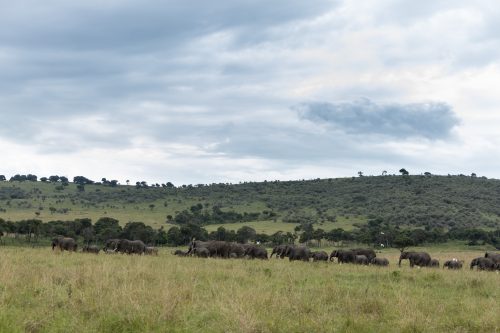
x=110 y=244
x=236 y=250
x=483 y=263
x=299 y=253
x=453 y=264
x=380 y=262
x=421 y=259
x=180 y=253
x=91 y=249
x=343 y=256
x=493 y=256
x=319 y=256
x=361 y=260
x=255 y=251
x=151 y=250
x=215 y=248
x=434 y=263
x=369 y=253
x=278 y=250
x=131 y=247
x=201 y=252
x=64 y=243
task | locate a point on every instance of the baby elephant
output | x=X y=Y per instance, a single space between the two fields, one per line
x=380 y=261
x=453 y=264
x=91 y=249
x=361 y=260
x=319 y=256
x=434 y=263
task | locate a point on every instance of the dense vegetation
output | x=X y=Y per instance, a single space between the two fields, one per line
x=389 y=210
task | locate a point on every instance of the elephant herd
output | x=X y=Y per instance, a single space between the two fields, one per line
x=222 y=249
x=111 y=246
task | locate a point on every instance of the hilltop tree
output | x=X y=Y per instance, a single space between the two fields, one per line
x=54 y=179
x=404 y=172
x=82 y=180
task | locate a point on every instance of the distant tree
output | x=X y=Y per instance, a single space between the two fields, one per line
x=54 y=179
x=427 y=174
x=106 y=228
x=44 y=179
x=80 y=188
x=473 y=175
x=151 y=206
x=404 y=172
x=360 y=173
x=82 y=180
x=31 y=178
x=245 y=233
x=138 y=231
x=2 y=178
x=384 y=173
x=318 y=235
x=170 y=185
x=113 y=183
x=128 y=182
x=52 y=210
x=64 y=180
x=88 y=234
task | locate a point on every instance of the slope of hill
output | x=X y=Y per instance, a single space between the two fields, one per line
x=416 y=201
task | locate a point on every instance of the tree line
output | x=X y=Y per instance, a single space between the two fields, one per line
x=375 y=233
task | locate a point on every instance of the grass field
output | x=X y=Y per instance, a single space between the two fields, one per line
x=41 y=291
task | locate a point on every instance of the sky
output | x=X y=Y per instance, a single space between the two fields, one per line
x=227 y=91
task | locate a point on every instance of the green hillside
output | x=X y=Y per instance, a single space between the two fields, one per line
x=405 y=201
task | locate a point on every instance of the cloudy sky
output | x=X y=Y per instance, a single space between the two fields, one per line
x=226 y=91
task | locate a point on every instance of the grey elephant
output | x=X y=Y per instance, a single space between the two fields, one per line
x=64 y=243
x=343 y=256
x=255 y=252
x=493 y=256
x=453 y=264
x=434 y=263
x=380 y=262
x=201 y=252
x=110 y=244
x=483 y=264
x=278 y=250
x=299 y=253
x=369 y=253
x=361 y=260
x=131 y=247
x=236 y=250
x=215 y=248
x=319 y=256
x=91 y=249
x=421 y=259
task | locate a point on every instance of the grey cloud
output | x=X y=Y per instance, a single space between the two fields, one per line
x=364 y=117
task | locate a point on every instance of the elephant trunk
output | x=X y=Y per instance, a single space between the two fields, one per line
x=399 y=262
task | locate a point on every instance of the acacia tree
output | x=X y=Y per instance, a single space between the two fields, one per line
x=404 y=172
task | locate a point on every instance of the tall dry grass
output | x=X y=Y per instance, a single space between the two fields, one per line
x=41 y=291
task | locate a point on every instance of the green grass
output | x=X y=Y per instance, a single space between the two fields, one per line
x=41 y=291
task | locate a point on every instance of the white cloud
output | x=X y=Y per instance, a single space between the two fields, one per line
x=192 y=92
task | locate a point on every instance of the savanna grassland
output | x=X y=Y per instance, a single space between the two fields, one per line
x=45 y=291
x=414 y=201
